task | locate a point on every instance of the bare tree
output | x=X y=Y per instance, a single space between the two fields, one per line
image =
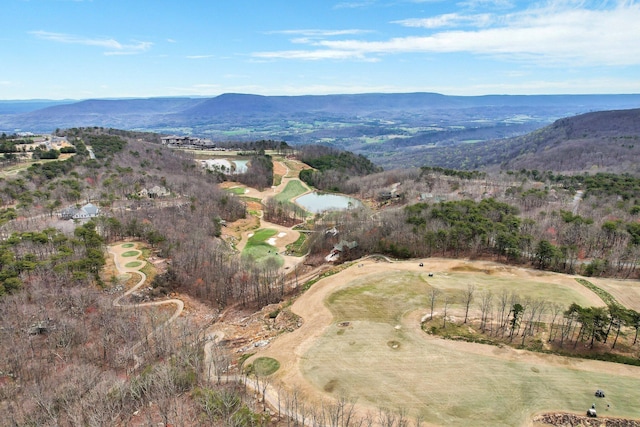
x=220 y=359
x=503 y=303
x=556 y=309
x=433 y=295
x=447 y=300
x=386 y=417
x=468 y=299
x=486 y=301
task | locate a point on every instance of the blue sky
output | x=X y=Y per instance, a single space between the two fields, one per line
x=57 y=49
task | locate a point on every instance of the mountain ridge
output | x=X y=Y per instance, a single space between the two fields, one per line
x=136 y=112
x=603 y=141
x=391 y=129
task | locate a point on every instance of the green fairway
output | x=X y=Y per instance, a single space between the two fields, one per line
x=374 y=353
x=293 y=189
x=237 y=190
x=265 y=366
x=259 y=250
x=128 y=245
x=299 y=247
x=131 y=253
x=133 y=264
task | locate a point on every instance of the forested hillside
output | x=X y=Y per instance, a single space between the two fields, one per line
x=332 y=168
x=584 y=224
x=605 y=141
x=65 y=358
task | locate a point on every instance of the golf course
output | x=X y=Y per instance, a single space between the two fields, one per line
x=362 y=339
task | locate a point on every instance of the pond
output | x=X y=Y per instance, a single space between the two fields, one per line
x=320 y=202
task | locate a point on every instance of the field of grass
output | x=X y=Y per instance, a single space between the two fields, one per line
x=373 y=352
x=131 y=253
x=626 y=292
x=299 y=247
x=384 y=298
x=133 y=264
x=259 y=250
x=16 y=168
x=293 y=189
x=236 y=190
x=532 y=287
x=264 y=366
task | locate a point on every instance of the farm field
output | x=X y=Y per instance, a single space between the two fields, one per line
x=361 y=339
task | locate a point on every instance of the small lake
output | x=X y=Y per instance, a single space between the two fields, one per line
x=320 y=202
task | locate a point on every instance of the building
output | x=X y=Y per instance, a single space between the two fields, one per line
x=179 y=140
x=154 y=192
x=187 y=142
x=87 y=211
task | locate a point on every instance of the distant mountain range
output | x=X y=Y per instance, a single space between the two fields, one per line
x=390 y=129
x=242 y=109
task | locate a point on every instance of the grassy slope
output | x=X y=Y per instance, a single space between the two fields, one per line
x=293 y=189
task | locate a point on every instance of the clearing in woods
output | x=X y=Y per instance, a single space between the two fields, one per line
x=361 y=338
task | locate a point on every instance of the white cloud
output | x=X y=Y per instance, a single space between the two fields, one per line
x=447 y=20
x=474 y=4
x=355 y=4
x=112 y=46
x=557 y=34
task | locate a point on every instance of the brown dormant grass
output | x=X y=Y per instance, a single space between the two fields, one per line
x=361 y=339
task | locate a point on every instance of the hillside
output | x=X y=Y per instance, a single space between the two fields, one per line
x=131 y=316
x=606 y=141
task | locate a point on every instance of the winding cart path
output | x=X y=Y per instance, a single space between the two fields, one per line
x=120 y=262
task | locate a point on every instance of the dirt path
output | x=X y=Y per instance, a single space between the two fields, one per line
x=120 y=261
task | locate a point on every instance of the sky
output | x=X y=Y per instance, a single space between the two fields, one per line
x=81 y=49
